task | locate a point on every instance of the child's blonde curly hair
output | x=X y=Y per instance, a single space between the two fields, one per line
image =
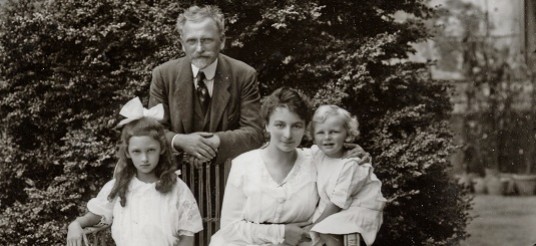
x=350 y=122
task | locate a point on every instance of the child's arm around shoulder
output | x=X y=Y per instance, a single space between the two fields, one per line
x=356 y=151
x=189 y=220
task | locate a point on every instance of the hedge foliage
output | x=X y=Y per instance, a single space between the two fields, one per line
x=68 y=65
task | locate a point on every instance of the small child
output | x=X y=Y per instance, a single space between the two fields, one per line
x=147 y=202
x=350 y=194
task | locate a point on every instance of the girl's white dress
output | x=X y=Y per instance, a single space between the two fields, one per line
x=356 y=190
x=149 y=217
x=255 y=207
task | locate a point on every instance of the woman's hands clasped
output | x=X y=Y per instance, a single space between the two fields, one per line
x=295 y=233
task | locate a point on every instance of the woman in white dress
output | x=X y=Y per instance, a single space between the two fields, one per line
x=271 y=193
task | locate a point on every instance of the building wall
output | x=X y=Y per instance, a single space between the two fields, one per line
x=507 y=25
x=501 y=21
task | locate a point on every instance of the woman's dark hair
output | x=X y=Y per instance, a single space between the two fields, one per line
x=165 y=170
x=295 y=101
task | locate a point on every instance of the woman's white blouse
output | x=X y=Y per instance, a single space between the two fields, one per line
x=255 y=207
x=149 y=217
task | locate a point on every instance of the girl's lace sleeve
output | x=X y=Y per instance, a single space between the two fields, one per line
x=100 y=205
x=189 y=221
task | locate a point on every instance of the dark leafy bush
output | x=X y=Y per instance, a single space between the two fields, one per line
x=67 y=66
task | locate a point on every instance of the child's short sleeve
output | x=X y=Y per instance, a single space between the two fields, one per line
x=189 y=219
x=352 y=177
x=100 y=205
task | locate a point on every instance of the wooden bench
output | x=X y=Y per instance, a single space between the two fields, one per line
x=353 y=239
x=209 y=195
x=98 y=237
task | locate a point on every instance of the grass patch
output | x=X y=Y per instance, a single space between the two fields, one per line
x=502 y=220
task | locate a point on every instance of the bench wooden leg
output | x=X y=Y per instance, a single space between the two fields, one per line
x=353 y=239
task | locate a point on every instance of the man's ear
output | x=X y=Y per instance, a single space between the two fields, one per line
x=182 y=46
x=127 y=154
x=222 y=44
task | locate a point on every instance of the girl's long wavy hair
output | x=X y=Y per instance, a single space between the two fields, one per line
x=164 y=170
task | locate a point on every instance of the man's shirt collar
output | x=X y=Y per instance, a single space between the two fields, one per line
x=209 y=71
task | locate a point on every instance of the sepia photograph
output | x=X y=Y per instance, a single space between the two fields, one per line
x=268 y=122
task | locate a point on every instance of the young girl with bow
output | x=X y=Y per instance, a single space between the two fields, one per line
x=147 y=202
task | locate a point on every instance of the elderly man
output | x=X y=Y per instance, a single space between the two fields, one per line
x=211 y=104
x=211 y=100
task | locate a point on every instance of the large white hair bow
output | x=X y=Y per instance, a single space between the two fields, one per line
x=134 y=110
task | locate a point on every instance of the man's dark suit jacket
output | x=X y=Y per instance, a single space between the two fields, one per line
x=235 y=103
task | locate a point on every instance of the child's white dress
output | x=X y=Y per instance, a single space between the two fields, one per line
x=356 y=190
x=149 y=217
